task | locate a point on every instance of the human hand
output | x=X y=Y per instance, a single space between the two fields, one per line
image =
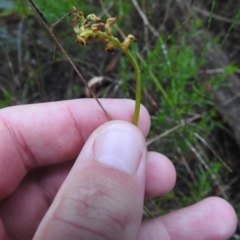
x=101 y=196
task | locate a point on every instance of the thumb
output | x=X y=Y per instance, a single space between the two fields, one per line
x=102 y=197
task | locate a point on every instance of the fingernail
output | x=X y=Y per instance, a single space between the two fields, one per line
x=120 y=147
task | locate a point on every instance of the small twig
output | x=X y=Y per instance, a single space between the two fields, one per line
x=49 y=28
x=184 y=161
x=205 y=165
x=54 y=53
x=208 y=146
x=146 y=32
x=10 y=65
x=215 y=16
x=19 y=48
x=145 y=19
x=182 y=124
x=60 y=19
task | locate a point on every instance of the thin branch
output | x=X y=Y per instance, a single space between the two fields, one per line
x=60 y=19
x=215 y=16
x=211 y=149
x=10 y=65
x=145 y=19
x=204 y=163
x=49 y=28
x=182 y=124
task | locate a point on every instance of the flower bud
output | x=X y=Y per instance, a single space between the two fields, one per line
x=109 y=47
x=93 y=17
x=109 y=23
x=80 y=39
x=112 y=20
x=75 y=25
x=78 y=21
x=97 y=26
x=108 y=29
x=78 y=16
x=130 y=38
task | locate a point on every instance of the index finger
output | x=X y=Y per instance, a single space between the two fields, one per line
x=49 y=133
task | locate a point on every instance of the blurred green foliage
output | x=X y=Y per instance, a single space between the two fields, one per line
x=172 y=75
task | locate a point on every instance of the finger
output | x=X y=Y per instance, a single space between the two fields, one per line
x=23 y=210
x=160 y=176
x=3 y=232
x=41 y=185
x=102 y=197
x=212 y=218
x=50 y=133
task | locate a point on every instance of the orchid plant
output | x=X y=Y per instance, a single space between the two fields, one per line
x=92 y=27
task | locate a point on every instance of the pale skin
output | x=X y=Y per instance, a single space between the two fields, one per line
x=38 y=144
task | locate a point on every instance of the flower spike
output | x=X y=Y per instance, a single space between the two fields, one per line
x=91 y=27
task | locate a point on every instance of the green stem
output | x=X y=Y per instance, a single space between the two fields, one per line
x=134 y=63
x=138 y=86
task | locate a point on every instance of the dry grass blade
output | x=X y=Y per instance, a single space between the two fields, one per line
x=217 y=156
x=10 y=65
x=215 y=16
x=204 y=163
x=182 y=124
x=145 y=19
x=184 y=161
